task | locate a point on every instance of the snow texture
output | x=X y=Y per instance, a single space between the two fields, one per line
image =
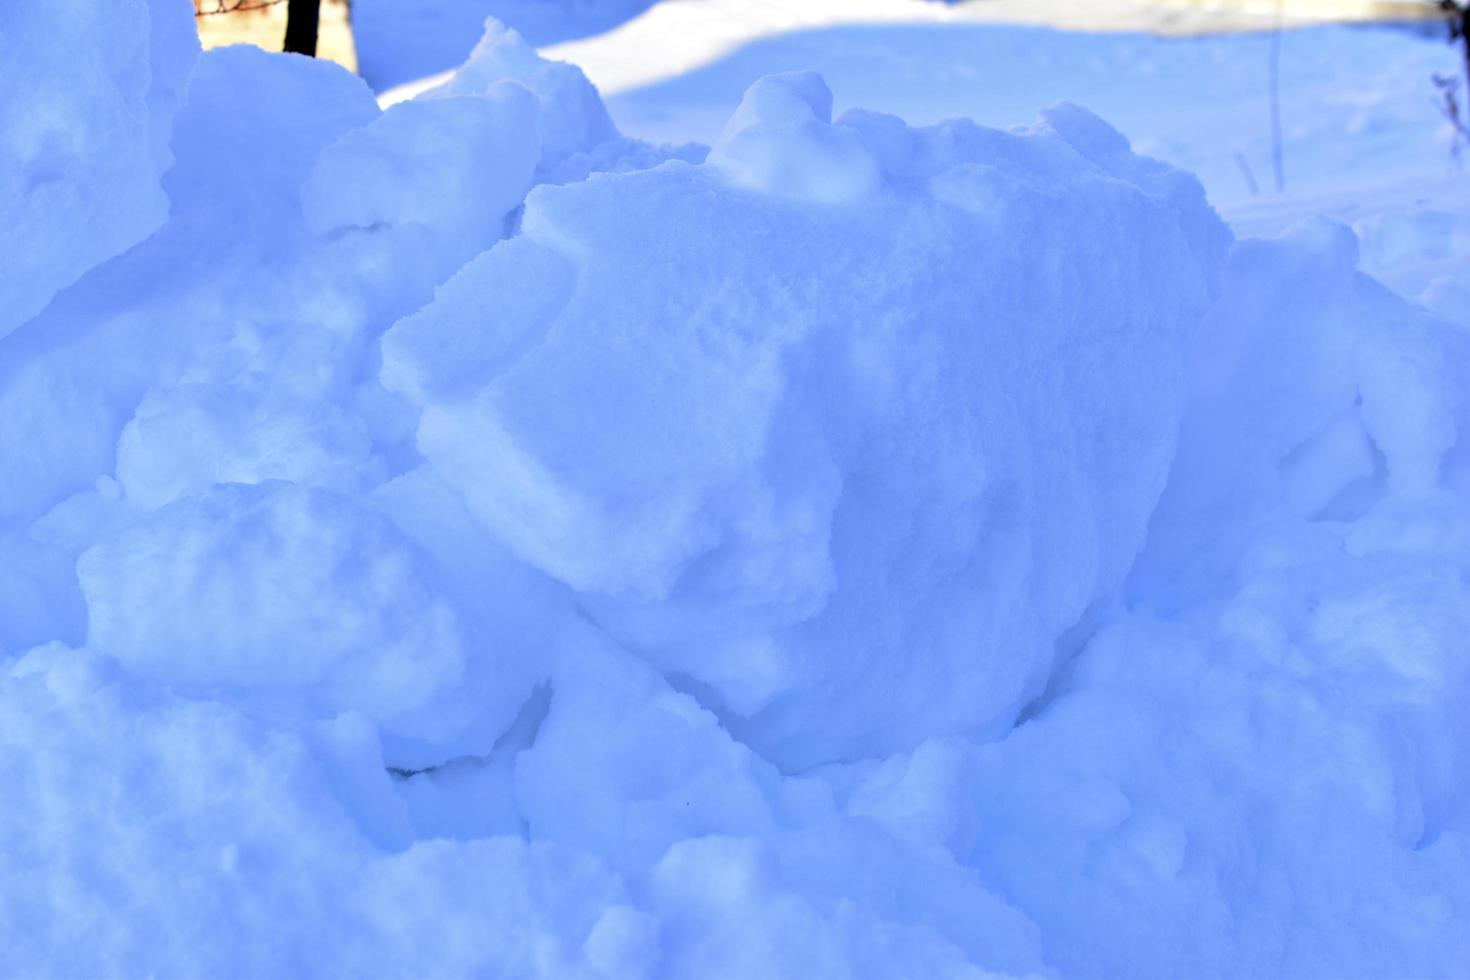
x=90 y=92
x=463 y=540
x=404 y=40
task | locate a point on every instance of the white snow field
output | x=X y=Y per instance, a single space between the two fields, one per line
x=467 y=540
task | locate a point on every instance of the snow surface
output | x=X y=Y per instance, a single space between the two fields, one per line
x=84 y=134
x=462 y=539
x=1364 y=136
x=402 y=41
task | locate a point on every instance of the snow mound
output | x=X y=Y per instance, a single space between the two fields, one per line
x=822 y=439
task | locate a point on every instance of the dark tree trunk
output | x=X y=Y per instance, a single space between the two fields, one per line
x=301 y=22
x=1465 y=38
x=1458 y=12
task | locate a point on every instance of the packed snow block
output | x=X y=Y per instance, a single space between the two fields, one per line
x=39 y=597
x=781 y=140
x=173 y=50
x=188 y=438
x=656 y=773
x=1410 y=369
x=1270 y=784
x=656 y=767
x=575 y=133
x=252 y=128
x=90 y=91
x=717 y=892
x=154 y=826
x=457 y=166
x=69 y=383
x=174 y=834
x=516 y=621
x=498 y=907
x=847 y=468
x=1315 y=394
x=171 y=385
x=58 y=425
x=298 y=600
x=229 y=285
x=1448 y=297
x=572 y=118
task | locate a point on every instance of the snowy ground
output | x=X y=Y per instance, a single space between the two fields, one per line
x=497 y=536
x=627 y=41
x=403 y=41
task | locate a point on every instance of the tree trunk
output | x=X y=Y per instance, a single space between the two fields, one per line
x=1465 y=40
x=301 y=24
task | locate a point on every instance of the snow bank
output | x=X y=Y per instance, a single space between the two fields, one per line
x=461 y=540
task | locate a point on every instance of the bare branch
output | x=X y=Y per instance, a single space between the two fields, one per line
x=234 y=6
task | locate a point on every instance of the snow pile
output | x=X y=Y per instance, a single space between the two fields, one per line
x=463 y=540
x=1259 y=767
x=795 y=458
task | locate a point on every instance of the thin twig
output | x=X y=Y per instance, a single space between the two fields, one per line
x=1457 y=17
x=239 y=7
x=1278 y=153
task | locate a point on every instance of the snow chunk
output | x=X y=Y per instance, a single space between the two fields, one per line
x=262 y=147
x=444 y=163
x=781 y=140
x=186 y=439
x=572 y=119
x=175 y=833
x=825 y=438
x=90 y=91
x=290 y=596
x=657 y=768
x=1316 y=394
